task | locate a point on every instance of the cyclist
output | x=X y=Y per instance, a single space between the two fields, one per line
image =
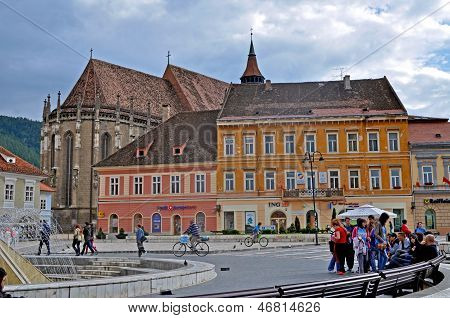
x=194 y=231
x=255 y=232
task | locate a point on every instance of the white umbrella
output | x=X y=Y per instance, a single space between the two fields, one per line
x=364 y=211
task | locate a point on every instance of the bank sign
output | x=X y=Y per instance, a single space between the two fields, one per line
x=176 y=207
x=436 y=201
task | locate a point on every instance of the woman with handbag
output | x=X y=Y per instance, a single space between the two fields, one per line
x=360 y=244
x=381 y=240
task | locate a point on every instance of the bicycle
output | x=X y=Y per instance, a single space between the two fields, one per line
x=263 y=241
x=201 y=248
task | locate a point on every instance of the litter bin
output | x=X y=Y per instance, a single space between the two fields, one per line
x=448 y=237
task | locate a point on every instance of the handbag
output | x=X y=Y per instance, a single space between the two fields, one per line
x=143 y=239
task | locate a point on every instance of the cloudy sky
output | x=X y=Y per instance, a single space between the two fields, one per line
x=295 y=41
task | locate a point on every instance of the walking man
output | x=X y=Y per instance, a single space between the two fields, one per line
x=140 y=239
x=87 y=233
x=45 y=237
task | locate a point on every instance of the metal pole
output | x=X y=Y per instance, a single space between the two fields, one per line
x=313 y=181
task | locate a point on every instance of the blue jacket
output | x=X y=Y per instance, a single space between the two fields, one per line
x=139 y=234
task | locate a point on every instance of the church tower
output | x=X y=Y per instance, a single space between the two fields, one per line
x=252 y=74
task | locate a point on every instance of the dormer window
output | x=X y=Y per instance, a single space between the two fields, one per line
x=8 y=159
x=142 y=152
x=177 y=151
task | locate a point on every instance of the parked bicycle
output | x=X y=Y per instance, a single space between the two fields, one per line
x=201 y=248
x=263 y=241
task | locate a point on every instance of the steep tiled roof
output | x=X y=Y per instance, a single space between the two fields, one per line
x=423 y=132
x=252 y=68
x=196 y=91
x=46 y=188
x=195 y=132
x=20 y=166
x=311 y=99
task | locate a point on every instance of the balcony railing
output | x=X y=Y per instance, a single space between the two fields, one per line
x=427 y=188
x=319 y=193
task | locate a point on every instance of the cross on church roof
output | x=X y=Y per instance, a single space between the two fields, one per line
x=91 y=52
x=168 y=57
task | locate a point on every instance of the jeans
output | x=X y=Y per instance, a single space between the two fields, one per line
x=362 y=259
x=372 y=258
x=76 y=246
x=47 y=244
x=87 y=243
x=350 y=256
x=382 y=259
x=333 y=264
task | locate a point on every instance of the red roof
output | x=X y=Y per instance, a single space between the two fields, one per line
x=46 y=188
x=429 y=132
x=20 y=166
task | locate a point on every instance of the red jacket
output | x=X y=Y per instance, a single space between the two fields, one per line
x=405 y=229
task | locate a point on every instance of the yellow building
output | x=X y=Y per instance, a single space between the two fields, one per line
x=264 y=130
x=430 y=165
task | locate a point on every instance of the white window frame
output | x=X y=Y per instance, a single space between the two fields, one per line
x=314 y=176
x=114 y=187
x=338 y=178
x=29 y=192
x=266 y=180
x=228 y=181
x=350 y=179
x=372 y=177
x=252 y=179
x=200 y=183
x=307 y=143
x=399 y=177
x=251 y=145
x=138 y=184
x=293 y=179
x=229 y=148
x=286 y=144
x=175 y=184
x=43 y=202
x=377 y=141
x=265 y=142
x=10 y=187
x=357 y=141
x=398 y=141
x=328 y=142
x=156 y=184
x=428 y=173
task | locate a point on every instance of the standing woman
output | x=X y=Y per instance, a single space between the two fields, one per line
x=372 y=245
x=381 y=240
x=360 y=244
x=77 y=238
x=340 y=240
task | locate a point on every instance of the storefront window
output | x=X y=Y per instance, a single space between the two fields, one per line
x=311 y=219
x=137 y=219
x=176 y=225
x=113 y=223
x=398 y=220
x=156 y=223
x=430 y=219
x=278 y=219
x=200 y=220
x=228 y=220
x=250 y=221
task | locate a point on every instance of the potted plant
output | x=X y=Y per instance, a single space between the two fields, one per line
x=397 y=187
x=122 y=235
x=100 y=235
x=428 y=183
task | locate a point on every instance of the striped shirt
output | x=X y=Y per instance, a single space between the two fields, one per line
x=193 y=230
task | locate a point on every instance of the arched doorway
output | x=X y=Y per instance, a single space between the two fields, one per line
x=310 y=219
x=113 y=223
x=278 y=219
x=176 y=225
x=430 y=219
x=200 y=219
x=137 y=219
x=156 y=223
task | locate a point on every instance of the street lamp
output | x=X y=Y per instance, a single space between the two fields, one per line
x=311 y=158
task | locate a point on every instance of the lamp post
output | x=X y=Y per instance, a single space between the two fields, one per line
x=311 y=158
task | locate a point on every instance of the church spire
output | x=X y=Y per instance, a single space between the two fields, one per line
x=252 y=74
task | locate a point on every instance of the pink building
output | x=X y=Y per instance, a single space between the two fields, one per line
x=162 y=180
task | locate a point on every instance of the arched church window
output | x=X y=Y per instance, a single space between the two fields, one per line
x=105 y=145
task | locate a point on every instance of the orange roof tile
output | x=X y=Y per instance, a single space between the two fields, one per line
x=20 y=166
x=429 y=132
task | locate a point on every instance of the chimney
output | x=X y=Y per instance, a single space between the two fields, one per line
x=165 y=112
x=268 y=86
x=347 y=82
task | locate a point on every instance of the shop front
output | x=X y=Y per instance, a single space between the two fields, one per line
x=433 y=210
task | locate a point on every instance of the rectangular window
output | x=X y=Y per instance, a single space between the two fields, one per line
x=290 y=180
x=289 y=144
x=29 y=193
x=352 y=142
x=138 y=186
x=332 y=143
x=114 y=186
x=311 y=180
x=249 y=145
x=199 y=183
x=229 y=146
x=229 y=181
x=354 y=179
x=393 y=141
x=156 y=185
x=249 y=181
x=396 y=178
x=174 y=184
x=269 y=147
x=427 y=173
x=373 y=141
x=334 y=179
x=375 y=179
x=269 y=177
x=43 y=204
x=9 y=192
x=310 y=142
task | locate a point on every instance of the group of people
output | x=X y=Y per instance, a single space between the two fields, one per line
x=85 y=234
x=377 y=249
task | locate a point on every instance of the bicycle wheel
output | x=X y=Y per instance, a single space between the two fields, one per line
x=179 y=249
x=202 y=249
x=263 y=241
x=248 y=241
